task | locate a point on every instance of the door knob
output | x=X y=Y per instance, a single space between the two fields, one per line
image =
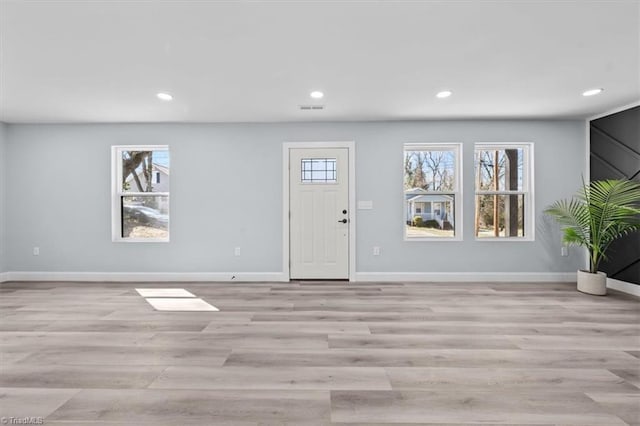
x=342 y=221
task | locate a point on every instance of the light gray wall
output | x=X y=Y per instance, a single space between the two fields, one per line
x=226 y=192
x=3 y=205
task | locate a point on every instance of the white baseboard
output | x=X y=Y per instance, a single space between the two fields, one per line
x=145 y=276
x=280 y=277
x=623 y=286
x=466 y=276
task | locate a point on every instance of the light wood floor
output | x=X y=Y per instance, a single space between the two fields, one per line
x=321 y=353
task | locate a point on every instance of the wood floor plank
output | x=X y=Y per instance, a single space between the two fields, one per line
x=72 y=338
x=576 y=342
x=463 y=406
x=305 y=378
x=542 y=379
x=38 y=402
x=208 y=407
x=106 y=355
x=462 y=358
x=385 y=316
x=67 y=314
x=630 y=375
x=242 y=340
x=503 y=328
x=116 y=326
x=13 y=325
x=413 y=341
x=152 y=315
x=289 y=326
x=79 y=376
x=625 y=406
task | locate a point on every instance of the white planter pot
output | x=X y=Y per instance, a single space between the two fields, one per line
x=595 y=284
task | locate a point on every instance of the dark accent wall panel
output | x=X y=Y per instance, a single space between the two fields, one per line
x=615 y=154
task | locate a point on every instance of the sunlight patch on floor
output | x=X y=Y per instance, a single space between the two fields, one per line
x=180 y=304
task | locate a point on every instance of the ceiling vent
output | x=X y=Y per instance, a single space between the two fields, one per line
x=311 y=107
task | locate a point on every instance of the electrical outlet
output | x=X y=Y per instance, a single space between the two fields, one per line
x=36 y=251
x=564 y=251
x=236 y=252
x=376 y=251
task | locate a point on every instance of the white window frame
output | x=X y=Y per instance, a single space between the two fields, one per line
x=457 y=192
x=117 y=193
x=527 y=188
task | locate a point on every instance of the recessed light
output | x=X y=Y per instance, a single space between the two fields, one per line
x=316 y=94
x=444 y=94
x=592 y=92
x=164 y=96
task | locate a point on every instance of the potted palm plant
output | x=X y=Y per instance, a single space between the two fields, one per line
x=600 y=213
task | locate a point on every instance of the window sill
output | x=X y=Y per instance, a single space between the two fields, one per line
x=506 y=239
x=140 y=240
x=428 y=239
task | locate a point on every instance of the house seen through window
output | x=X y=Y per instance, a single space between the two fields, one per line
x=432 y=191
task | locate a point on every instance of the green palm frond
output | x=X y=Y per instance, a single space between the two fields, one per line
x=600 y=213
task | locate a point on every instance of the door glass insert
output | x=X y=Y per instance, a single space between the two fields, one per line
x=319 y=170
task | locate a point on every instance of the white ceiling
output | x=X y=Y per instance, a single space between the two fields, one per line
x=104 y=61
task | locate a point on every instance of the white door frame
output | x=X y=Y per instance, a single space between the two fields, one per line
x=351 y=147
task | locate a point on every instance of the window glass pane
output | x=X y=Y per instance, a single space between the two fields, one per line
x=430 y=215
x=318 y=170
x=430 y=170
x=145 y=171
x=430 y=191
x=500 y=216
x=145 y=216
x=318 y=164
x=506 y=164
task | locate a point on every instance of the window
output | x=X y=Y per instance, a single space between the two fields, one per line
x=432 y=192
x=503 y=189
x=319 y=170
x=140 y=196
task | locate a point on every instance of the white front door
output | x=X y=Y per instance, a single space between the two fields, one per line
x=319 y=216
